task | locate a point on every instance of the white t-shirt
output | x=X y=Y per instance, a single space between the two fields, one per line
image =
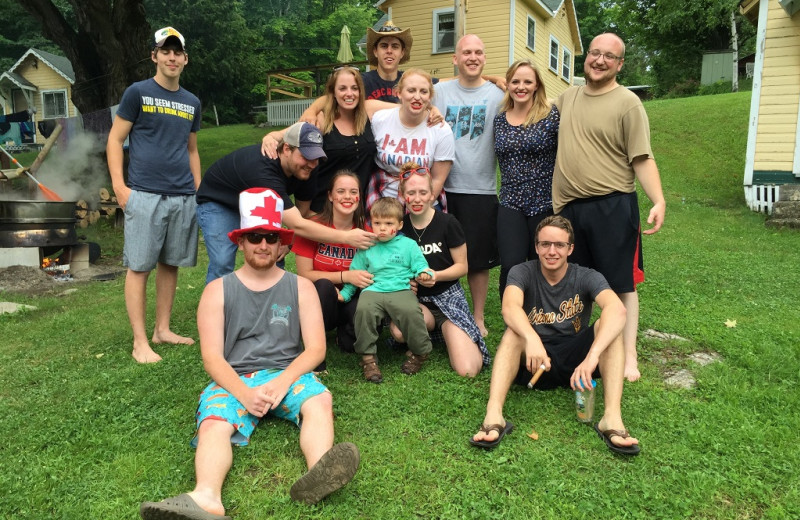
x=399 y=144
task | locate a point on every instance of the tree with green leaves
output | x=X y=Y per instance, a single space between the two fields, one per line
x=106 y=42
x=20 y=32
x=665 y=39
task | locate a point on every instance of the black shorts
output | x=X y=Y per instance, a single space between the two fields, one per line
x=477 y=215
x=565 y=353
x=608 y=238
x=438 y=316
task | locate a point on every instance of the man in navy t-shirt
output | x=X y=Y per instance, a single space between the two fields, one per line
x=161 y=120
x=388 y=48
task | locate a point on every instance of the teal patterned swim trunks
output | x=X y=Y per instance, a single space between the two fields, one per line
x=216 y=403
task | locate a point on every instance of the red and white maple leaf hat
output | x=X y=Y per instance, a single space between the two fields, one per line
x=260 y=210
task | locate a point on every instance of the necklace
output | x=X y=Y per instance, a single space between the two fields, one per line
x=419 y=235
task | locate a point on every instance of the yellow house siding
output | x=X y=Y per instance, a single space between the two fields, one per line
x=546 y=26
x=780 y=93
x=489 y=20
x=419 y=16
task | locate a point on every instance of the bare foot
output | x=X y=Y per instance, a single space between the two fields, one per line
x=617 y=440
x=144 y=354
x=172 y=338
x=208 y=503
x=632 y=370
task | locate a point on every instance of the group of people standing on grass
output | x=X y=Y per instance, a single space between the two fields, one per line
x=387 y=208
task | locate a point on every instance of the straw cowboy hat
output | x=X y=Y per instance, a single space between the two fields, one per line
x=388 y=29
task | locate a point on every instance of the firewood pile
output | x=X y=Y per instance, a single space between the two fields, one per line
x=89 y=212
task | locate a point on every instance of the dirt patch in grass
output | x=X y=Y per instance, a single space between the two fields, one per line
x=33 y=281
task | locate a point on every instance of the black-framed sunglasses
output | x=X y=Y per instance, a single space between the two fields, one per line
x=256 y=238
x=418 y=171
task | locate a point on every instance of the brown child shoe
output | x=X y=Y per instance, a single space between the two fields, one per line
x=413 y=364
x=369 y=365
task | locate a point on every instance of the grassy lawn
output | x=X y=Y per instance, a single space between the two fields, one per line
x=88 y=433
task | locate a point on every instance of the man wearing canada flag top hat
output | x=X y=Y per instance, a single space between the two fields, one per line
x=251 y=329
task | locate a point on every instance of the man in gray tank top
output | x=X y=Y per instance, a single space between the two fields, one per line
x=250 y=339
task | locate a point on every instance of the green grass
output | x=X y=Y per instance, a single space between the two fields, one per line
x=88 y=433
x=215 y=142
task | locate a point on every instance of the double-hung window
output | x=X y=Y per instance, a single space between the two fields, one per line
x=444 y=30
x=54 y=103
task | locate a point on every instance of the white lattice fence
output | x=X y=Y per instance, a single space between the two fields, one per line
x=284 y=112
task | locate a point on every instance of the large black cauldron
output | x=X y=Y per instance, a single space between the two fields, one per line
x=32 y=223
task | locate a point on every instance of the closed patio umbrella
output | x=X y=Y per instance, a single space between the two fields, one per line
x=345 y=53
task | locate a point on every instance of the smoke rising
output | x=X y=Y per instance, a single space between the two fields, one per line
x=76 y=172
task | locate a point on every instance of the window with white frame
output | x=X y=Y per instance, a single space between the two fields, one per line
x=54 y=103
x=554 y=45
x=566 y=65
x=531 y=33
x=444 y=30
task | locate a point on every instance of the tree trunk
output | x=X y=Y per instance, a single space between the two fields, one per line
x=108 y=47
x=735 y=47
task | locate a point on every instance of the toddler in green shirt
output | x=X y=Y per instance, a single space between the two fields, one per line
x=393 y=261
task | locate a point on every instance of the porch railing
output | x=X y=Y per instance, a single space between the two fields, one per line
x=284 y=112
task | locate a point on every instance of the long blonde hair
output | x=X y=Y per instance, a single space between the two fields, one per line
x=331 y=108
x=540 y=107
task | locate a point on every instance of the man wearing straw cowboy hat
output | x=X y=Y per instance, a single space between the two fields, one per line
x=547 y=306
x=387 y=49
x=162 y=119
x=259 y=350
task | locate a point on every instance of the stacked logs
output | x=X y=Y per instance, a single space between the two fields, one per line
x=106 y=207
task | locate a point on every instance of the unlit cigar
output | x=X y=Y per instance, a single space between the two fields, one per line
x=536 y=376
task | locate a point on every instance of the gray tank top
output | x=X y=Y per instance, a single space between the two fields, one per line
x=262 y=328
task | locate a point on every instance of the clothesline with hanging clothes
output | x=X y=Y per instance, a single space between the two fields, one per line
x=20 y=128
x=14 y=126
x=97 y=123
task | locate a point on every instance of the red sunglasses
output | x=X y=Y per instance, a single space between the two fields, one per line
x=419 y=171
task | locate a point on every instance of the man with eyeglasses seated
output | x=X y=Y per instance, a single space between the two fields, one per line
x=259 y=350
x=290 y=173
x=547 y=306
x=603 y=148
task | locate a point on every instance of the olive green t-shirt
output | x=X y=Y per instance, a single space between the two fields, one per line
x=598 y=139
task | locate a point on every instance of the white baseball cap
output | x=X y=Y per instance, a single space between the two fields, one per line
x=162 y=35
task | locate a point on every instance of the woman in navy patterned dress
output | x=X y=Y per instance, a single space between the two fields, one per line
x=526 y=138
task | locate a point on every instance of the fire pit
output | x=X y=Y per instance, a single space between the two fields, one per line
x=32 y=223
